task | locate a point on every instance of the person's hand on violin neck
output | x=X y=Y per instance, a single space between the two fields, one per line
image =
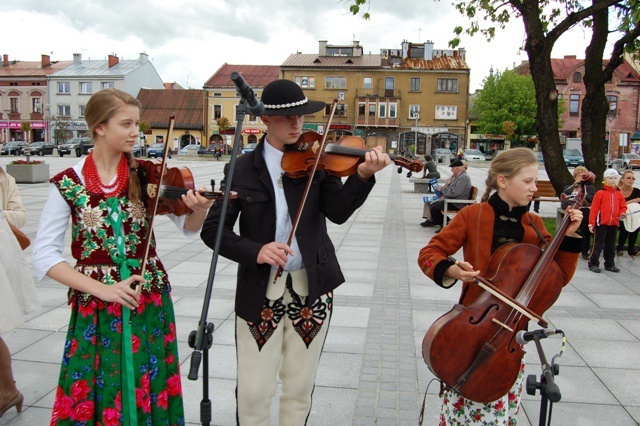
x=576 y=220
x=274 y=254
x=374 y=161
x=200 y=206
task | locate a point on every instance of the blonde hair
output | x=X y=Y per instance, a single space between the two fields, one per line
x=507 y=164
x=579 y=171
x=622 y=177
x=101 y=107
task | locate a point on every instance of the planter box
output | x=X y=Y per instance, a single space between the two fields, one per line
x=29 y=173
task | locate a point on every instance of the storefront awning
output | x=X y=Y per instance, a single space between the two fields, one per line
x=636 y=136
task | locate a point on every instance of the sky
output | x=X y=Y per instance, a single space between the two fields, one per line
x=189 y=40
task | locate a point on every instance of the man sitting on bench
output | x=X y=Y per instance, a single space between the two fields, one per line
x=458 y=188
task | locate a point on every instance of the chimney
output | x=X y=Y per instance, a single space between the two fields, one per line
x=428 y=50
x=5 y=60
x=144 y=58
x=322 y=51
x=463 y=53
x=77 y=58
x=405 y=49
x=46 y=61
x=113 y=60
x=357 y=49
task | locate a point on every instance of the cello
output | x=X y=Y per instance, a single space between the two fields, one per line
x=473 y=349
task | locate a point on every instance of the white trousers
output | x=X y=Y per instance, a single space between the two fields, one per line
x=288 y=342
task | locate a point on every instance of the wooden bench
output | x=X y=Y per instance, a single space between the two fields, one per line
x=545 y=192
x=450 y=209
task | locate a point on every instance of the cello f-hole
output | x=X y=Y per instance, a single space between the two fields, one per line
x=474 y=321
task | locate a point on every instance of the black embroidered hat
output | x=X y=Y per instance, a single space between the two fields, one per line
x=456 y=163
x=284 y=97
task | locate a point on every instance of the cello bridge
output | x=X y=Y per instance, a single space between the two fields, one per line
x=501 y=324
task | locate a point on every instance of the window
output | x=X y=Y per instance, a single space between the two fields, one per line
x=382 y=110
x=82 y=108
x=361 y=110
x=64 y=110
x=415 y=84
x=217 y=112
x=36 y=105
x=336 y=83
x=414 y=112
x=14 y=104
x=574 y=105
x=341 y=110
x=306 y=82
x=389 y=86
x=217 y=94
x=393 y=108
x=577 y=77
x=367 y=83
x=613 y=105
x=64 y=88
x=372 y=110
x=447 y=85
x=108 y=85
x=86 y=88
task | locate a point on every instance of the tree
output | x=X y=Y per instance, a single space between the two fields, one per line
x=506 y=104
x=544 y=22
x=25 y=126
x=61 y=126
x=223 y=124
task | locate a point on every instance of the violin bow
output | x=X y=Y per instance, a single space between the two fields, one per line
x=308 y=187
x=156 y=197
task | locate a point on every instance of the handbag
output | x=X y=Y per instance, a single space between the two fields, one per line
x=22 y=238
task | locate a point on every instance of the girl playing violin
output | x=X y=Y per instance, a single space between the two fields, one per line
x=480 y=229
x=117 y=367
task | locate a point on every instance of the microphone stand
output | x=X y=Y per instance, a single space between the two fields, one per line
x=549 y=391
x=202 y=338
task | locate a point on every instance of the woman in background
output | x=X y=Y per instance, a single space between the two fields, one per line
x=17 y=291
x=631 y=195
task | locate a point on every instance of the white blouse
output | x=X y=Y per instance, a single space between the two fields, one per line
x=54 y=222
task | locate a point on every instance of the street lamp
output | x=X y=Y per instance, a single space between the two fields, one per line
x=415 y=147
x=612 y=115
x=6 y=130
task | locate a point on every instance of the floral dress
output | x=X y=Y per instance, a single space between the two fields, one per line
x=92 y=384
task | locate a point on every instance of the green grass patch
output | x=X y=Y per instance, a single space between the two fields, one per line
x=550 y=224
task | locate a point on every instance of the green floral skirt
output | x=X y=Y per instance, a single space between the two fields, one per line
x=90 y=386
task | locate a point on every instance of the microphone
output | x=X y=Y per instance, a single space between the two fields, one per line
x=524 y=337
x=255 y=105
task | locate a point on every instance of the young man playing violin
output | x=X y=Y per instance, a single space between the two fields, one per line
x=281 y=324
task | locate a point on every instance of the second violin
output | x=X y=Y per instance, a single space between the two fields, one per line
x=340 y=158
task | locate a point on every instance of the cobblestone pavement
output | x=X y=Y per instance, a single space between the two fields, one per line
x=371 y=371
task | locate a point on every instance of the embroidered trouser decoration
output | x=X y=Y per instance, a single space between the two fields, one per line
x=307 y=321
x=272 y=313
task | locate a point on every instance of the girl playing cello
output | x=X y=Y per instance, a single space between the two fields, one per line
x=114 y=370
x=480 y=229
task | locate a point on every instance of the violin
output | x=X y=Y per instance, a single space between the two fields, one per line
x=473 y=349
x=176 y=182
x=340 y=158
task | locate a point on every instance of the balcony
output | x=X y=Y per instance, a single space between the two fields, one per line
x=378 y=93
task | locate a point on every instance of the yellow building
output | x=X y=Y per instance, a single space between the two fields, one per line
x=388 y=99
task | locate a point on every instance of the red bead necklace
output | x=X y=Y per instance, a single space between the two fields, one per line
x=95 y=185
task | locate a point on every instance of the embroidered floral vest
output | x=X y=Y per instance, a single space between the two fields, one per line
x=93 y=240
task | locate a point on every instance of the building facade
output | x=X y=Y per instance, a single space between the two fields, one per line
x=24 y=98
x=221 y=101
x=158 y=105
x=622 y=92
x=413 y=99
x=71 y=88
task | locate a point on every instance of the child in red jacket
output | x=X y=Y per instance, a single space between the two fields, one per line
x=607 y=208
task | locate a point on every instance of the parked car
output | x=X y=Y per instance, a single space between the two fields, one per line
x=215 y=149
x=626 y=161
x=539 y=157
x=191 y=149
x=573 y=158
x=78 y=145
x=443 y=155
x=156 y=150
x=40 y=148
x=248 y=148
x=473 y=155
x=12 y=148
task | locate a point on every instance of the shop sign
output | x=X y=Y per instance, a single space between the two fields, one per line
x=340 y=127
x=252 y=131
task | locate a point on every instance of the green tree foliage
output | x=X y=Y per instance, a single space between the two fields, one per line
x=25 y=126
x=506 y=104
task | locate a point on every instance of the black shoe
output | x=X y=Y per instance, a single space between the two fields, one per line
x=612 y=269
x=595 y=269
x=427 y=223
x=585 y=256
